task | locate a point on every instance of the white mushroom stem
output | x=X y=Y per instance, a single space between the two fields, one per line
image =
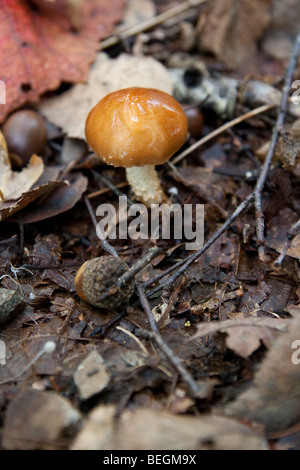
x=146 y=185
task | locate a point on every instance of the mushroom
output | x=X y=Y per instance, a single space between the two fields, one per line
x=137 y=128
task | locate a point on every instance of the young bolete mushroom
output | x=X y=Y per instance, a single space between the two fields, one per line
x=137 y=128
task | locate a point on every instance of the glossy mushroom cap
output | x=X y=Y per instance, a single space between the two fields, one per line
x=135 y=127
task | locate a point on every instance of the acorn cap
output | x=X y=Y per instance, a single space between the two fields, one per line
x=136 y=126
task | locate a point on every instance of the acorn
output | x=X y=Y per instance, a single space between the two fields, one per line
x=195 y=121
x=25 y=133
x=96 y=281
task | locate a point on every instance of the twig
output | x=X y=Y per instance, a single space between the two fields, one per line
x=181 y=266
x=127 y=332
x=102 y=329
x=102 y=191
x=222 y=129
x=171 y=302
x=110 y=185
x=138 y=266
x=155 y=335
x=131 y=273
x=104 y=243
x=157 y=20
x=156 y=278
x=290 y=237
x=260 y=222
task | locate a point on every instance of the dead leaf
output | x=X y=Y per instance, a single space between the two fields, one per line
x=137 y=11
x=278 y=227
x=15 y=183
x=91 y=376
x=217 y=298
x=40 y=48
x=244 y=334
x=146 y=429
x=7 y=209
x=65 y=196
x=41 y=423
x=278 y=41
x=230 y=29
x=44 y=185
x=274 y=397
x=205 y=183
x=287 y=150
x=69 y=110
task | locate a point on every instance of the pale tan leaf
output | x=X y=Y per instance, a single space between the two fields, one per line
x=69 y=111
x=13 y=184
x=146 y=429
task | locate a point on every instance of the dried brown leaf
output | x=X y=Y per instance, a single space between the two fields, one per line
x=147 y=429
x=230 y=29
x=208 y=186
x=274 y=397
x=246 y=334
x=91 y=376
x=276 y=236
x=61 y=200
x=38 y=420
x=40 y=47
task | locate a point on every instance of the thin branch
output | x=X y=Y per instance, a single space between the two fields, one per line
x=138 y=266
x=149 y=24
x=171 y=302
x=104 y=243
x=260 y=222
x=159 y=276
x=181 y=266
x=221 y=129
x=102 y=191
x=110 y=185
x=155 y=335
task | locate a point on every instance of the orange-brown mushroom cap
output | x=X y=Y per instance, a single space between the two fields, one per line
x=136 y=126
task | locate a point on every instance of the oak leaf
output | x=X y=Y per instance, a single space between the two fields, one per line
x=41 y=48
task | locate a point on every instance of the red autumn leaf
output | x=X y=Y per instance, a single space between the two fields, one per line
x=40 y=48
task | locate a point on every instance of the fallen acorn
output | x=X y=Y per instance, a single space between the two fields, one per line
x=96 y=282
x=25 y=133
